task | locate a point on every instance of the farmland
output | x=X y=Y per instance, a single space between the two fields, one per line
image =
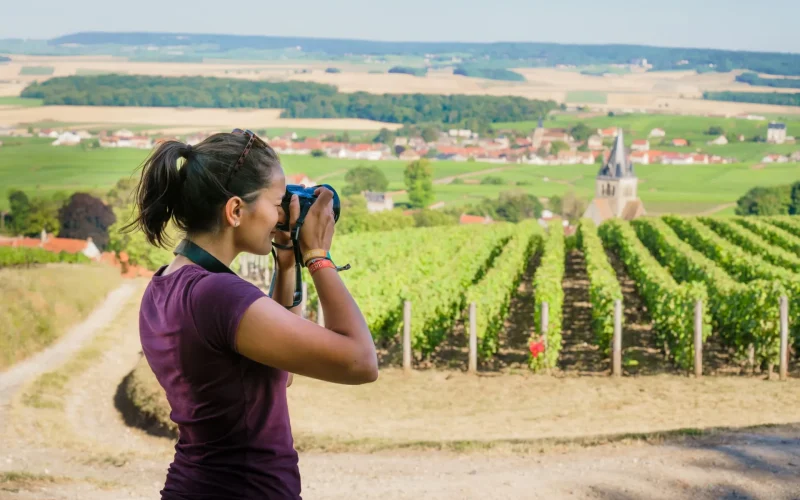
x=38 y=168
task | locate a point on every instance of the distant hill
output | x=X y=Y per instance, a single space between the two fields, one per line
x=516 y=54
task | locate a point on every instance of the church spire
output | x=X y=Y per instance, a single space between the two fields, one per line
x=618 y=164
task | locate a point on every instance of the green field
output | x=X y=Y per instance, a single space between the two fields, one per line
x=638 y=126
x=37 y=70
x=41 y=169
x=20 y=101
x=589 y=96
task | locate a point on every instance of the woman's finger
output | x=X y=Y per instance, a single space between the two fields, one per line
x=294 y=210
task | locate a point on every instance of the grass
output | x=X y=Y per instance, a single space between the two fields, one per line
x=40 y=169
x=37 y=70
x=455 y=411
x=639 y=125
x=20 y=101
x=41 y=303
x=587 y=96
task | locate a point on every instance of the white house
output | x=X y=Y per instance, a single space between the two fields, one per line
x=719 y=141
x=658 y=132
x=776 y=133
x=67 y=139
x=640 y=145
x=378 y=202
x=595 y=142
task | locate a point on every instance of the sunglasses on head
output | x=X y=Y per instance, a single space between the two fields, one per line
x=247 y=148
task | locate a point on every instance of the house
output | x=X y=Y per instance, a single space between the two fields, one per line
x=48 y=133
x=795 y=156
x=608 y=132
x=616 y=188
x=299 y=179
x=719 y=141
x=378 y=202
x=56 y=245
x=640 y=145
x=641 y=157
x=658 y=132
x=595 y=142
x=67 y=139
x=474 y=219
x=680 y=142
x=775 y=159
x=124 y=134
x=776 y=133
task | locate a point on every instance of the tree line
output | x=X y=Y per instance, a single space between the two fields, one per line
x=297 y=99
x=781 y=83
x=512 y=54
x=755 y=97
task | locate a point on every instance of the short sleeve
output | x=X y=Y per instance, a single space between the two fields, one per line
x=218 y=302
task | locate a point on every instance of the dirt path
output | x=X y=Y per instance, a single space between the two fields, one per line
x=718 y=208
x=640 y=354
x=12 y=379
x=104 y=460
x=579 y=352
x=520 y=324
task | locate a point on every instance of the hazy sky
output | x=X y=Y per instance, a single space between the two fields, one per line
x=730 y=24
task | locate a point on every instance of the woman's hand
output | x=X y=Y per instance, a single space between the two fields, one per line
x=317 y=230
x=286 y=257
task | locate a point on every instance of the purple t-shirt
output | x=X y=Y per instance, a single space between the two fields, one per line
x=235 y=437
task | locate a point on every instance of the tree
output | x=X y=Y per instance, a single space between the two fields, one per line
x=431 y=218
x=363 y=178
x=715 y=130
x=430 y=134
x=557 y=146
x=419 y=183
x=581 y=132
x=572 y=207
x=20 y=212
x=122 y=194
x=511 y=206
x=85 y=216
x=317 y=153
x=765 y=201
x=385 y=136
x=794 y=208
x=44 y=216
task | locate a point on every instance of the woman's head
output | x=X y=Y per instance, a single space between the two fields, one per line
x=229 y=185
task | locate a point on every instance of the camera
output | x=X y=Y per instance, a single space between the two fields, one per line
x=306 y=198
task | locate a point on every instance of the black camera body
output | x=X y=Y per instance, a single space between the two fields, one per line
x=306 y=197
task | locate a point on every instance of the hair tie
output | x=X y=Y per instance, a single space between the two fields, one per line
x=188 y=150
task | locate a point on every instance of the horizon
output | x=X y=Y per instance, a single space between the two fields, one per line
x=716 y=24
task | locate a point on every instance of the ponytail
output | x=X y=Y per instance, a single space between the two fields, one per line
x=158 y=194
x=191 y=196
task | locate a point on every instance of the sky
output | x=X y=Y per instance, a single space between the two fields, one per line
x=725 y=24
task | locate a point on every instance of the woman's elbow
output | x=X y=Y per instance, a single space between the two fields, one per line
x=365 y=370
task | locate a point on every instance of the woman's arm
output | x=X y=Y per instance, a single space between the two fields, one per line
x=342 y=351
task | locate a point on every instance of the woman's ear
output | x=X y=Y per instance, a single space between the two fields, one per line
x=233 y=211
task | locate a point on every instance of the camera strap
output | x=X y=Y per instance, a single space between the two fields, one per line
x=202 y=258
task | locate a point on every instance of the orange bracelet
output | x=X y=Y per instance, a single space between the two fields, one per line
x=316 y=253
x=320 y=264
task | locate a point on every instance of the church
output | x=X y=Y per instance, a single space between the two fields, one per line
x=616 y=188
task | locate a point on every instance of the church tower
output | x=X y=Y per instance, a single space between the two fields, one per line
x=616 y=188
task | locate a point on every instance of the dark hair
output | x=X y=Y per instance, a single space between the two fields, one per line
x=193 y=193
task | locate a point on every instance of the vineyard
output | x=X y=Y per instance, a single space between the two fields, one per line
x=716 y=281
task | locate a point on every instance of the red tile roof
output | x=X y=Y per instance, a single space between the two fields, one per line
x=474 y=219
x=52 y=244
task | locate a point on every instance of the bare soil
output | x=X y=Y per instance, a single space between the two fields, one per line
x=428 y=434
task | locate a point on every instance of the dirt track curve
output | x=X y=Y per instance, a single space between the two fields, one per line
x=102 y=459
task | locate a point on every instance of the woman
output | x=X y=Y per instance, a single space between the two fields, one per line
x=222 y=350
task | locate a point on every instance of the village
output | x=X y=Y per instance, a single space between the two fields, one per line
x=542 y=146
